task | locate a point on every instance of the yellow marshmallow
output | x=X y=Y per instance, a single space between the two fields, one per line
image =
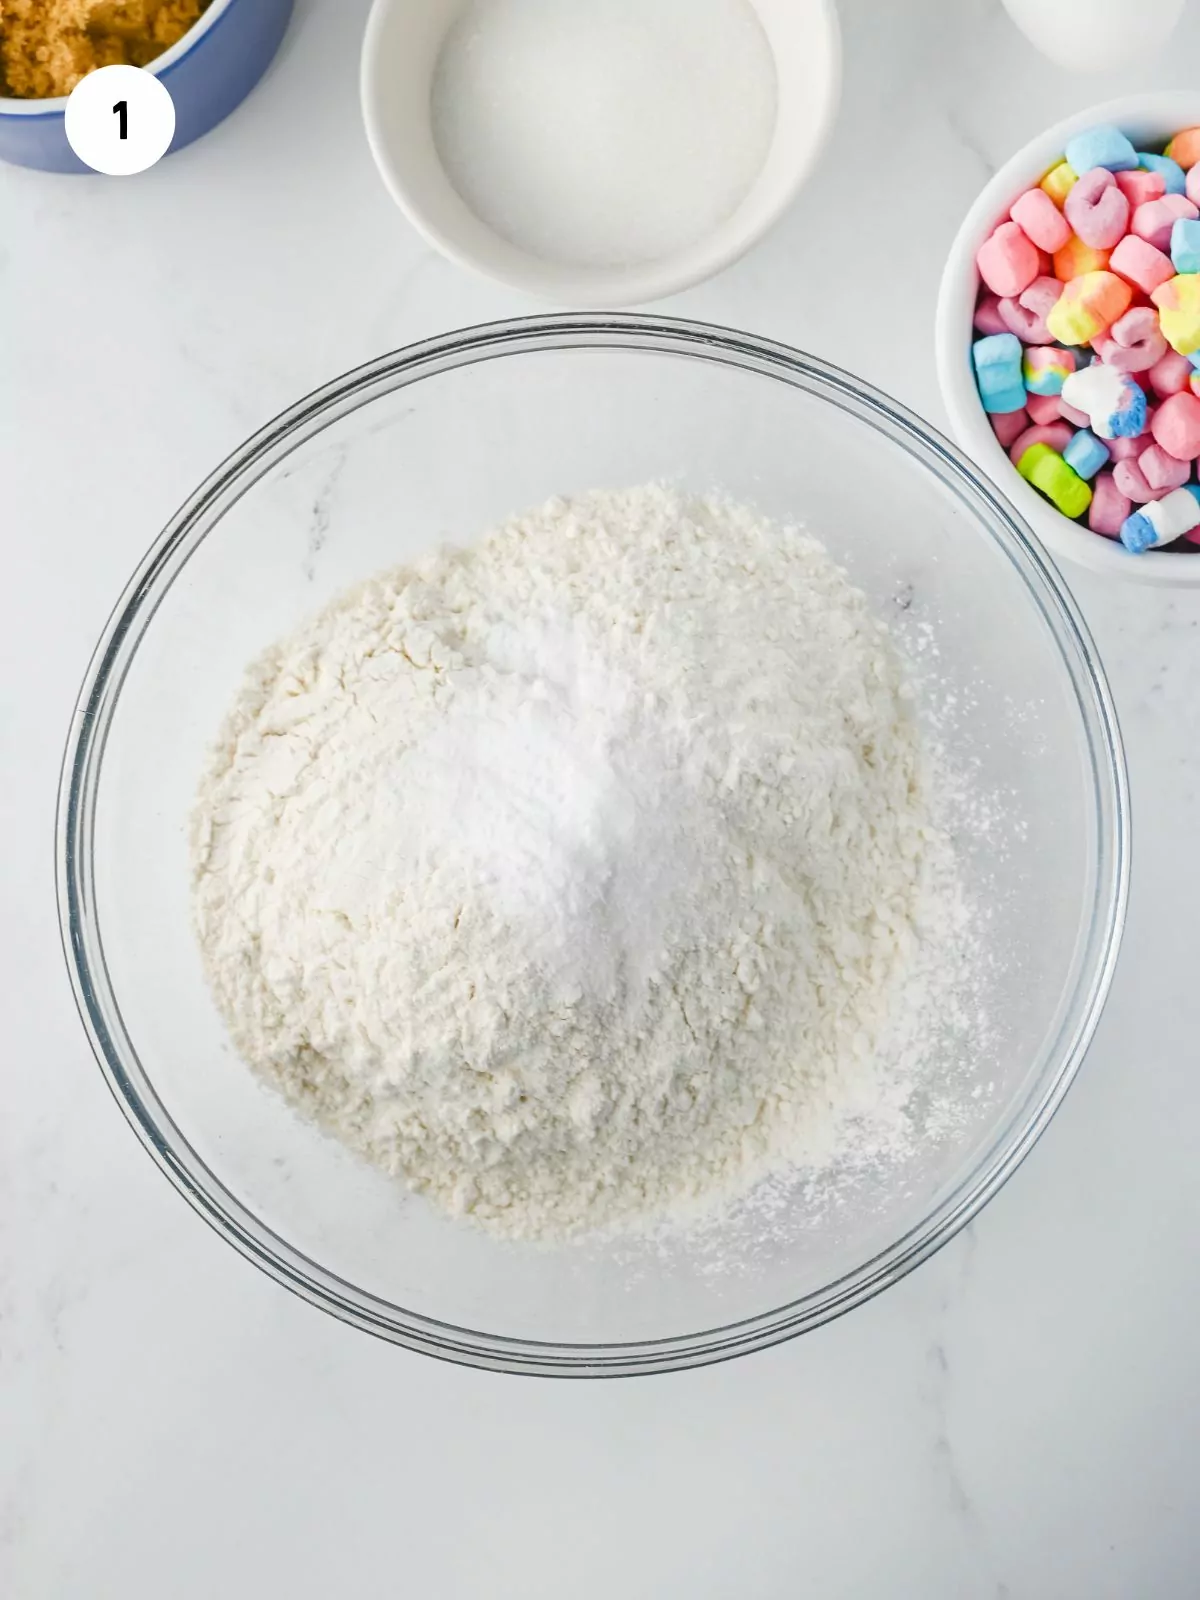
x=1178 y=302
x=1059 y=182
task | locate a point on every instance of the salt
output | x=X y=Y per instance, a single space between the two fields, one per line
x=604 y=132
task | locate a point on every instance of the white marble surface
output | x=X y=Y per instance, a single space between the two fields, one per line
x=1020 y=1418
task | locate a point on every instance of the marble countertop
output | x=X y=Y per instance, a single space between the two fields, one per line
x=1018 y=1420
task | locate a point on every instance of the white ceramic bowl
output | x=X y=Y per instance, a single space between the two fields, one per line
x=400 y=51
x=1149 y=120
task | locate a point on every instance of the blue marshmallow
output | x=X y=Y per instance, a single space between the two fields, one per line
x=1185 y=245
x=1104 y=146
x=1086 y=454
x=1162 y=521
x=1194 y=358
x=997 y=361
x=1138 y=533
x=1171 y=173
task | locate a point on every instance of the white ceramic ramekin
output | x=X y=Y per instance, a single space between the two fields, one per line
x=1149 y=120
x=400 y=51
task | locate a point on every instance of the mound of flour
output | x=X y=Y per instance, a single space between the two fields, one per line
x=586 y=875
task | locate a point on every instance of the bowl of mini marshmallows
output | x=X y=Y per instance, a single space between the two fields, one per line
x=1068 y=336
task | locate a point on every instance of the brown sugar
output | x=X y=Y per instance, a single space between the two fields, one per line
x=46 y=46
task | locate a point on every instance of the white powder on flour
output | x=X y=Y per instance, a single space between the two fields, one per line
x=604 y=132
x=587 y=874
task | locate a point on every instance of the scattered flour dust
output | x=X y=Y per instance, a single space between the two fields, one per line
x=586 y=877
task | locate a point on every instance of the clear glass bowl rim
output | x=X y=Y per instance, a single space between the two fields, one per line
x=81 y=935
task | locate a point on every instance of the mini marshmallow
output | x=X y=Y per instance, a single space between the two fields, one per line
x=1162 y=471
x=1193 y=534
x=1056 y=436
x=1162 y=523
x=1138 y=187
x=1102 y=146
x=988 y=318
x=1028 y=326
x=1008 y=262
x=1086 y=454
x=1185 y=243
x=1191 y=186
x=1075 y=258
x=1185 y=148
x=1045 y=369
x=997 y=362
x=1059 y=182
x=1114 y=402
x=1178 y=302
x=1046 y=470
x=1176 y=426
x=1089 y=305
x=1097 y=210
x=1134 y=343
x=1109 y=507
x=1041 y=221
x=1154 y=220
x=1140 y=264
x=1171 y=173
x=1127 y=449
x=1008 y=426
x=1170 y=375
x=1131 y=481
x=1044 y=408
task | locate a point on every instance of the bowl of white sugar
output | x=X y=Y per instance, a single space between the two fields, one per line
x=598 y=152
x=557 y=884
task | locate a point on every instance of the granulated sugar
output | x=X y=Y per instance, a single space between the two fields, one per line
x=604 y=132
x=586 y=877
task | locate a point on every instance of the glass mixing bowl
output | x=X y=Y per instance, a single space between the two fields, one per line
x=437 y=442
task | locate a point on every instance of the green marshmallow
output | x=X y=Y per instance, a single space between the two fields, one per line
x=1046 y=470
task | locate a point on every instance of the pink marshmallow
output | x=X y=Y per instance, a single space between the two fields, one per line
x=1176 y=426
x=1026 y=324
x=1109 y=507
x=1154 y=219
x=1134 y=343
x=1170 y=374
x=1072 y=414
x=1042 y=295
x=1140 y=263
x=1043 y=408
x=1008 y=262
x=1056 y=434
x=1131 y=481
x=1138 y=187
x=1191 y=186
x=1041 y=220
x=1008 y=426
x=1097 y=210
x=1194 y=383
x=988 y=318
x=1125 y=449
x=1162 y=471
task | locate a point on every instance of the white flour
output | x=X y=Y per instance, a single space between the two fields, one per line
x=604 y=132
x=588 y=875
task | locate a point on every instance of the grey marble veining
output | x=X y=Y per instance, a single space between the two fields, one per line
x=1016 y=1421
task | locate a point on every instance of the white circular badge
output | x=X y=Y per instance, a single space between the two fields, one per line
x=120 y=120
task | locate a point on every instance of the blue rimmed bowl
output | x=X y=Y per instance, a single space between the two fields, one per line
x=209 y=72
